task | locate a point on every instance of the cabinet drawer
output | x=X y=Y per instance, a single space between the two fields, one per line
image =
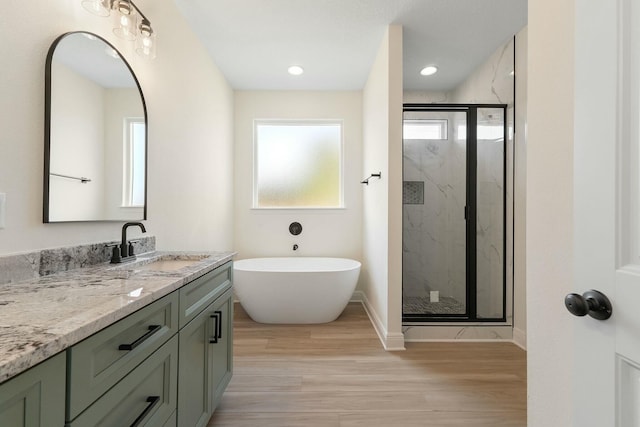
x=145 y=397
x=97 y=363
x=197 y=295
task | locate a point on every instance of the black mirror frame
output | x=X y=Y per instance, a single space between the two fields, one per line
x=47 y=129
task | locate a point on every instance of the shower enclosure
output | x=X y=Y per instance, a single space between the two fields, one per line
x=454 y=213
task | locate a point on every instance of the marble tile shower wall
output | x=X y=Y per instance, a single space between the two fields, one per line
x=434 y=232
x=31 y=265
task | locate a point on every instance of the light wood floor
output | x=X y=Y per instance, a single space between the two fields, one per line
x=338 y=375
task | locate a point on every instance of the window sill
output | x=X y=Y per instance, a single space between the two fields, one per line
x=342 y=208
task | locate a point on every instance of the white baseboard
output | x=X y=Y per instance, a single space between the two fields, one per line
x=358 y=296
x=520 y=338
x=394 y=342
x=391 y=342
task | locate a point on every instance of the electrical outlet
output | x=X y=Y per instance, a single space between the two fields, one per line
x=3 y=204
x=434 y=296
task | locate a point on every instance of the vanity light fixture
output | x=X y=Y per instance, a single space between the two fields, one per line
x=295 y=70
x=97 y=7
x=126 y=23
x=125 y=20
x=429 y=70
x=146 y=42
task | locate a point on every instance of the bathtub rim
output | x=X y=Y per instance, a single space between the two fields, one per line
x=250 y=264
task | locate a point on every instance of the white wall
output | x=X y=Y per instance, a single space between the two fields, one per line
x=190 y=108
x=549 y=208
x=77 y=146
x=382 y=199
x=265 y=232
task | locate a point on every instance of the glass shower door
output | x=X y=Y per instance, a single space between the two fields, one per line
x=434 y=199
x=454 y=213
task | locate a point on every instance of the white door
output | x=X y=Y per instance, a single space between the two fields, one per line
x=607 y=214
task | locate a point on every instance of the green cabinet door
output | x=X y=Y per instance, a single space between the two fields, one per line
x=194 y=372
x=35 y=397
x=222 y=350
x=206 y=361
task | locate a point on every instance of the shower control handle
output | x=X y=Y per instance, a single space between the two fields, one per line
x=594 y=303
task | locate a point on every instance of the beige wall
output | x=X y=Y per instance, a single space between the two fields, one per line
x=265 y=232
x=549 y=211
x=382 y=203
x=190 y=109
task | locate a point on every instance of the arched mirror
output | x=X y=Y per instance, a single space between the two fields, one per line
x=95 y=133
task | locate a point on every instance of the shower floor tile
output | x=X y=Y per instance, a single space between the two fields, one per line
x=423 y=305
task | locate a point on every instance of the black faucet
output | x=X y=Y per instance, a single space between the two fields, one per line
x=125 y=252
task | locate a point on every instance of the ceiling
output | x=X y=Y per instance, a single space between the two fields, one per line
x=92 y=58
x=253 y=42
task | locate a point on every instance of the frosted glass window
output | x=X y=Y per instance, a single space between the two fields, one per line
x=298 y=165
x=425 y=129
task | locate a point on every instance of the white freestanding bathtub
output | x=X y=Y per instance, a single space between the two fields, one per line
x=295 y=290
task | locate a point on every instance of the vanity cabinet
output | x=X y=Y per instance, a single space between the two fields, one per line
x=165 y=365
x=35 y=398
x=206 y=346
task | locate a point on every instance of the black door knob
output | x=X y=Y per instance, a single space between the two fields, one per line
x=593 y=303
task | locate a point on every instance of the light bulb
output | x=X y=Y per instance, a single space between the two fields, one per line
x=295 y=70
x=428 y=71
x=146 y=42
x=125 y=21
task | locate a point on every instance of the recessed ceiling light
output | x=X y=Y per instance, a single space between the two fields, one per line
x=428 y=71
x=295 y=70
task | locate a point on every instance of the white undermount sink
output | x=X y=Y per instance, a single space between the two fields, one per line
x=168 y=264
x=163 y=262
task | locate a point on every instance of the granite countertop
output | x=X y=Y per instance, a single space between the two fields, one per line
x=43 y=316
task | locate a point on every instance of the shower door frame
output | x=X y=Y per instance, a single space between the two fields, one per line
x=470 y=214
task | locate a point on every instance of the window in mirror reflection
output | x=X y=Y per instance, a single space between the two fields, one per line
x=134 y=158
